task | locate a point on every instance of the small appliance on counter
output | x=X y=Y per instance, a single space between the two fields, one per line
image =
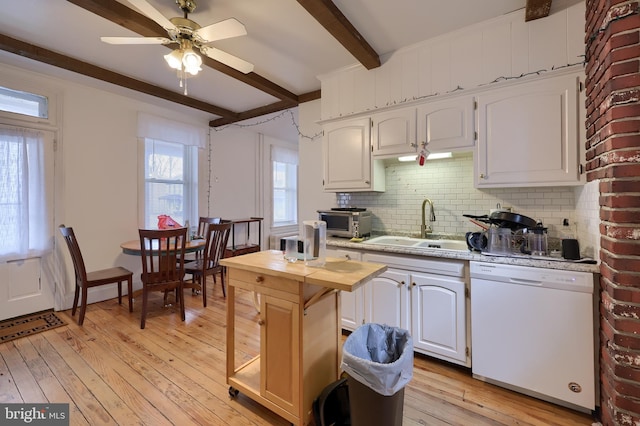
x=314 y=237
x=535 y=241
x=509 y=234
x=347 y=222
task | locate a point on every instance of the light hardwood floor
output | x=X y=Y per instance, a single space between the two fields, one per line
x=112 y=372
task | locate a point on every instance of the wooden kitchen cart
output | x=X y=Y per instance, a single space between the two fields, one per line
x=300 y=344
x=247 y=247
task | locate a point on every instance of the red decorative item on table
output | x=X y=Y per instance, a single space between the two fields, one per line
x=167 y=222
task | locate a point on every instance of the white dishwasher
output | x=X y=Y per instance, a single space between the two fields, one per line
x=532 y=332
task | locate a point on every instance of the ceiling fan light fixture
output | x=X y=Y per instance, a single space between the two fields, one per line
x=174 y=59
x=191 y=61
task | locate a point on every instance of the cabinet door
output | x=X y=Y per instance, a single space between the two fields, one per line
x=528 y=134
x=387 y=299
x=347 y=155
x=439 y=316
x=447 y=125
x=280 y=352
x=351 y=302
x=394 y=133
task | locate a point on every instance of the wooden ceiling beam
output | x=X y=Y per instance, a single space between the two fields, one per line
x=537 y=9
x=46 y=56
x=128 y=18
x=266 y=109
x=253 y=113
x=332 y=19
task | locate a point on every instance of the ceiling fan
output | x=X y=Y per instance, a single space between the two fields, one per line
x=188 y=35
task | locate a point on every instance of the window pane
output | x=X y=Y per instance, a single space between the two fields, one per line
x=170 y=186
x=23 y=103
x=164 y=161
x=164 y=198
x=285 y=193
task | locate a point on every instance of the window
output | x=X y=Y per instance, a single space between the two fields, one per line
x=26 y=177
x=168 y=178
x=24 y=103
x=170 y=184
x=285 y=186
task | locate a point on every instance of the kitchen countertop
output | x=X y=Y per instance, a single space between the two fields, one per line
x=335 y=274
x=345 y=243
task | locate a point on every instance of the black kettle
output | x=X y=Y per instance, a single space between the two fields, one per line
x=476 y=240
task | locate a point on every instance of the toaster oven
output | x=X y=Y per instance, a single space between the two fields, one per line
x=347 y=222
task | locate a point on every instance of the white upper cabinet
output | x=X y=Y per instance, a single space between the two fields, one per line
x=447 y=125
x=348 y=166
x=528 y=134
x=394 y=133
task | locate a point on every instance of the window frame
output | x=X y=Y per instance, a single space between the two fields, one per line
x=284 y=226
x=290 y=190
x=189 y=182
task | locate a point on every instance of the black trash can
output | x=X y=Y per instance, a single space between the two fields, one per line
x=378 y=361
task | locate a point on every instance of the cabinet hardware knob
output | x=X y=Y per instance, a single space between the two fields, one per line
x=367 y=182
x=401 y=282
x=481 y=175
x=259 y=279
x=260 y=321
x=413 y=284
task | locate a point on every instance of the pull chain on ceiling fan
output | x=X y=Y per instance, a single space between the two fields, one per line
x=190 y=38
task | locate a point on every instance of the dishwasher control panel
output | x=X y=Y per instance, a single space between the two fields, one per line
x=540 y=277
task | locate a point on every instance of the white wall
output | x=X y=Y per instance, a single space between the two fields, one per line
x=234 y=175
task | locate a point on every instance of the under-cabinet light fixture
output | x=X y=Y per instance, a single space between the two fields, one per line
x=432 y=156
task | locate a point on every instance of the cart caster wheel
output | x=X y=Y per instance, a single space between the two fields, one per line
x=233 y=392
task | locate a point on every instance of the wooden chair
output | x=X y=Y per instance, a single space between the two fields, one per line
x=162 y=253
x=209 y=263
x=203 y=225
x=85 y=280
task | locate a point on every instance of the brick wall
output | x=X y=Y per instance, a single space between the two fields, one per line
x=613 y=158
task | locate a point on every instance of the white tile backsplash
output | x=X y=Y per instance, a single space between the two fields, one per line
x=587 y=219
x=449 y=184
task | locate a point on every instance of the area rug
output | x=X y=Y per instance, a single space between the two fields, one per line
x=27 y=325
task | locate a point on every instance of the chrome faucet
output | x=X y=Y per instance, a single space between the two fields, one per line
x=424 y=229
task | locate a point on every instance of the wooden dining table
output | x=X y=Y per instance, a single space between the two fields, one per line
x=133 y=247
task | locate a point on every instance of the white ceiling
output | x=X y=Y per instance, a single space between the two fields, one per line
x=286 y=45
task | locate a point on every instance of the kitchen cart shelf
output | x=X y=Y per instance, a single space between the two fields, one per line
x=247 y=247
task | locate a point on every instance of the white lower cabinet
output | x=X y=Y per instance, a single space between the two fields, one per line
x=426 y=296
x=386 y=299
x=438 y=323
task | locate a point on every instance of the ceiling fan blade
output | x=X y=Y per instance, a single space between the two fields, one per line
x=220 y=30
x=154 y=14
x=136 y=40
x=227 y=59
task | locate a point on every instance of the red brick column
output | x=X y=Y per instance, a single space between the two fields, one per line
x=613 y=157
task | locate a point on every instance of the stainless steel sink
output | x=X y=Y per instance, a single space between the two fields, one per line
x=443 y=244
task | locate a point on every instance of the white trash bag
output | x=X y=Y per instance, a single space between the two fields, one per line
x=380 y=357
